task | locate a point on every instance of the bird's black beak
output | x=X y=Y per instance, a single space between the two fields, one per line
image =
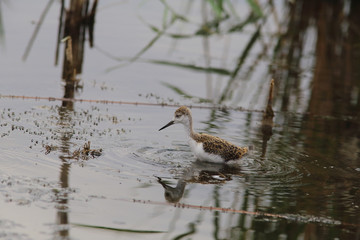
x=167 y=125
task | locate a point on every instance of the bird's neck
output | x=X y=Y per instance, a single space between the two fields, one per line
x=188 y=125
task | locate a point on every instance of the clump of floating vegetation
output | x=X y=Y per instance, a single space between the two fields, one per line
x=83 y=153
x=86 y=152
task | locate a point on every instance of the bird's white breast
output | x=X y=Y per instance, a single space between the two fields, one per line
x=198 y=150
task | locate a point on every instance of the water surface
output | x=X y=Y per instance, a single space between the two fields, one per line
x=300 y=182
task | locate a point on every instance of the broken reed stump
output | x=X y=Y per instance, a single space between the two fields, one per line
x=69 y=74
x=69 y=71
x=267 y=120
x=269 y=113
x=74 y=22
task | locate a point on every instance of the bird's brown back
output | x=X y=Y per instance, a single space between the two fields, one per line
x=216 y=145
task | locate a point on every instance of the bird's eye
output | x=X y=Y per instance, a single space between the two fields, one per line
x=177 y=115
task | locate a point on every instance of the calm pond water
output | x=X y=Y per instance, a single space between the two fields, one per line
x=90 y=169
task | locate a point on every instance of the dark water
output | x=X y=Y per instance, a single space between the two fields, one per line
x=89 y=169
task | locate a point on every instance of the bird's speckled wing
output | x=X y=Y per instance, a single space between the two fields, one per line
x=225 y=149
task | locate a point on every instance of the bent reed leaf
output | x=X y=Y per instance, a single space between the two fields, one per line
x=185 y=95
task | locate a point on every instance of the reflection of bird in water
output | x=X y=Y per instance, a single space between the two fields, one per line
x=204 y=146
x=198 y=172
x=173 y=194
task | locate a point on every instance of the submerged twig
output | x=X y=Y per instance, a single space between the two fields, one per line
x=220 y=107
x=290 y=217
x=116 y=229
